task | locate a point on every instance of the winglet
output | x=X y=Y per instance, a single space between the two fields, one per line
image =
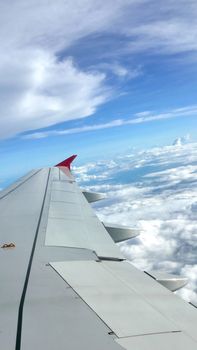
x=67 y=162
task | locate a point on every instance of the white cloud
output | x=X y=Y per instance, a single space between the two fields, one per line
x=119 y=70
x=55 y=26
x=176 y=175
x=44 y=91
x=190 y=291
x=162 y=203
x=165 y=28
x=39 y=90
x=37 y=135
x=142 y=117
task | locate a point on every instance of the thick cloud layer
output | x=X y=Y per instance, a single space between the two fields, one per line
x=156 y=191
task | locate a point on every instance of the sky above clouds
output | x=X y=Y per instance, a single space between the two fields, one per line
x=95 y=68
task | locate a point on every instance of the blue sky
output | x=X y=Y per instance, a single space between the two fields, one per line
x=94 y=78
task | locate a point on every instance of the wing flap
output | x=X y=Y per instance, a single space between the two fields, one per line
x=170 y=341
x=125 y=311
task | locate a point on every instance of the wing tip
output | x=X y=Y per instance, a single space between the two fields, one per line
x=67 y=162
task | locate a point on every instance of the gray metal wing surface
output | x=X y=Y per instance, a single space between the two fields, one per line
x=64 y=283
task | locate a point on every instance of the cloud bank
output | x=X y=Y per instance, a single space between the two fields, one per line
x=156 y=191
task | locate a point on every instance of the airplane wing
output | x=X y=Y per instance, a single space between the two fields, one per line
x=64 y=283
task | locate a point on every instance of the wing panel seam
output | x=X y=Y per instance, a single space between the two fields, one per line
x=21 y=305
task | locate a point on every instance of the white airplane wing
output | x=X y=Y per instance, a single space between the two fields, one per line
x=64 y=283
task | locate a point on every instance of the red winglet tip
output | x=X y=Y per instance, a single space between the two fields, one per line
x=67 y=162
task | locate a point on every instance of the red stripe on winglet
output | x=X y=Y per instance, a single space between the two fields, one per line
x=67 y=162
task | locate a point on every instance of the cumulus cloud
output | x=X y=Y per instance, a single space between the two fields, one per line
x=160 y=200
